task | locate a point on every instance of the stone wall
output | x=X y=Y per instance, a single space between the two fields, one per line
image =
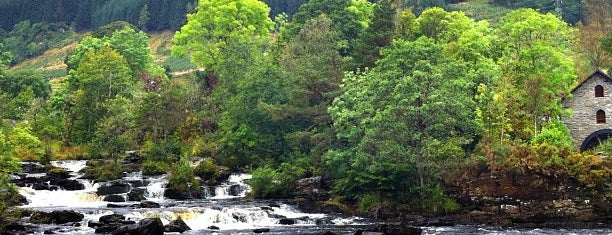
x=584 y=106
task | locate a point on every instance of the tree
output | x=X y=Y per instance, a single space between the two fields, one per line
x=349 y=17
x=100 y=76
x=402 y=123
x=312 y=72
x=143 y=17
x=536 y=61
x=597 y=24
x=217 y=25
x=377 y=35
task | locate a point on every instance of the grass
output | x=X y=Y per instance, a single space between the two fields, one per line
x=51 y=63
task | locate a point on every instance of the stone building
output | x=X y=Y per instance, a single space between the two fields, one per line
x=591 y=104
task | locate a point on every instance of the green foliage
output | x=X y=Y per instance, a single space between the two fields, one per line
x=554 y=133
x=367 y=202
x=206 y=38
x=404 y=121
x=152 y=167
x=182 y=176
x=268 y=182
x=19 y=90
x=164 y=150
x=349 y=17
x=105 y=170
x=209 y=171
x=377 y=35
x=27 y=39
x=109 y=29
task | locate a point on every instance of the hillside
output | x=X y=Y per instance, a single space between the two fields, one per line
x=51 y=63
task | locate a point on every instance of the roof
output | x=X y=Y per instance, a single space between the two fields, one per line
x=597 y=72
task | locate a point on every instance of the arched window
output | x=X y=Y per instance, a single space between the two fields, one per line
x=601 y=116
x=599 y=91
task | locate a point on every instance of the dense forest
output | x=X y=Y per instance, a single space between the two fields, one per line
x=389 y=101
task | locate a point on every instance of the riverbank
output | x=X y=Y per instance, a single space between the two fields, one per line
x=487 y=199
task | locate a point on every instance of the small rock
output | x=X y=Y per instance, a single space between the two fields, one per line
x=55 y=217
x=261 y=230
x=137 y=194
x=114 y=198
x=177 y=225
x=149 y=204
x=111 y=219
x=286 y=221
x=212 y=227
x=113 y=188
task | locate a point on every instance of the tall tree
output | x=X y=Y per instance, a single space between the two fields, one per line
x=402 y=123
x=205 y=38
x=376 y=36
x=537 y=62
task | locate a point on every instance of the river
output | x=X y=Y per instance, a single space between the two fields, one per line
x=224 y=210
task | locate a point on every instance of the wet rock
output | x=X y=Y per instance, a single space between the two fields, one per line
x=177 y=225
x=58 y=174
x=55 y=217
x=261 y=230
x=113 y=188
x=235 y=190
x=149 y=226
x=136 y=194
x=105 y=229
x=138 y=183
x=149 y=204
x=48 y=232
x=109 y=219
x=311 y=188
x=212 y=227
x=174 y=193
x=402 y=230
x=42 y=186
x=68 y=184
x=112 y=205
x=32 y=167
x=286 y=221
x=241 y=217
x=114 y=198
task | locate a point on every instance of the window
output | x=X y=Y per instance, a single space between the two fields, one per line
x=599 y=91
x=601 y=116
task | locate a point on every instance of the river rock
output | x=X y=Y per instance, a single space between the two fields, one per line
x=55 y=217
x=149 y=204
x=286 y=221
x=177 y=225
x=58 y=174
x=32 y=167
x=68 y=184
x=113 y=188
x=212 y=227
x=109 y=219
x=136 y=194
x=149 y=226
x=261 y=230
x=311 y=188
x=114 y=198
x=174 y=193
x=235 y=190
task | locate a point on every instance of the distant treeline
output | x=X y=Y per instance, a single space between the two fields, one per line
x=152 y=15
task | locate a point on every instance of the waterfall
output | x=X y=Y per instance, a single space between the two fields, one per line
x=234 y=187
x=155 y=189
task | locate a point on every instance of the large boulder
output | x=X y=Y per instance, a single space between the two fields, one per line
x=58 y=174
x=136 y=194
x=113 y=188
x=177 y=194
x=109 y=219
x=177 y=226
x=55 y=217
x=68 y=184
x=149 y=226
x=311 y=188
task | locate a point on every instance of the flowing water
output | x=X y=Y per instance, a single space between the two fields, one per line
x=224 y=210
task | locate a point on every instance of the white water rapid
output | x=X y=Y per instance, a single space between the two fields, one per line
x=225 y=208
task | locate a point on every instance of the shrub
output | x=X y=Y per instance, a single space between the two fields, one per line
x=182 y=176
x=209 y=171
x=268 y=182
x=150 y=167
x=368 y=201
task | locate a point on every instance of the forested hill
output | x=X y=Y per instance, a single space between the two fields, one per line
x=156 y=15
x=152 y=15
